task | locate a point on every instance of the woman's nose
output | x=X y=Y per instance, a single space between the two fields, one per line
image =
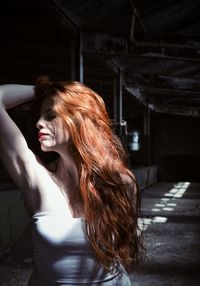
x=40 y=123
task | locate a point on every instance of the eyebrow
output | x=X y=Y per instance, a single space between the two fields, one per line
x=45 y=111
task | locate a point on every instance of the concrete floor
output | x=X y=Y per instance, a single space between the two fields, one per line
x=171 y=216
x=172 y=235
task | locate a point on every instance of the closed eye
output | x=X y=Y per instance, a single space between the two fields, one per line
x=50 y=115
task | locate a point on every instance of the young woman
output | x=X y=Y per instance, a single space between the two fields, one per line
x=84 y=204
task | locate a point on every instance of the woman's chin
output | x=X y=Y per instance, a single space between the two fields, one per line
x=46 y=148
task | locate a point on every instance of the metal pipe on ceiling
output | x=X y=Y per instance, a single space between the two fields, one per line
x=154 y=56
x=135 y=12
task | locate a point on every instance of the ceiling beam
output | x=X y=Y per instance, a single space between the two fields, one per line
x=135 y=14
x=178 y=110
x=118 y=46
x=163 y=81
x=136 y=93
x=171 y=92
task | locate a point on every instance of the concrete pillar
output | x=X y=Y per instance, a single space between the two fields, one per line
x=72 y=60
x=118 y=104
x=120 y=124
x=80 y=55
x=146 y=136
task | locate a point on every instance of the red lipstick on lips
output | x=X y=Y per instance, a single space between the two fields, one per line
x=41 y=134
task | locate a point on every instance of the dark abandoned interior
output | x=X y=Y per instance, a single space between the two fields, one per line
x=143 y=58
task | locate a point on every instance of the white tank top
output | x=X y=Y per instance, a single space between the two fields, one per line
x=62 y=252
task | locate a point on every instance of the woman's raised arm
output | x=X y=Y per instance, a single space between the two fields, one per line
x=14 y=152
x=14 y=94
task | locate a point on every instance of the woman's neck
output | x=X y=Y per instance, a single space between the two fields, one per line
x=68 y=179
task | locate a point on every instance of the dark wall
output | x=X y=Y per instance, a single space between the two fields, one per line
x=32 y=43
x=177 y=148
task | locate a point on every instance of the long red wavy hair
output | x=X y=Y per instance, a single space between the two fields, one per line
x=107 y=189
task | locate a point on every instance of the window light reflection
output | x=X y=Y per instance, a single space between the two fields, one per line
x=168 y=195
x=171 y=205
x=165 y=204
x=159 y=205
x=145 y=222
x=168 y=209
x=159 y=219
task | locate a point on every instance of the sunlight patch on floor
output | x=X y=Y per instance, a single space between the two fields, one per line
x=166 y=204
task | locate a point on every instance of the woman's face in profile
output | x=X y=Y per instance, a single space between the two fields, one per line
x=52 y=134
